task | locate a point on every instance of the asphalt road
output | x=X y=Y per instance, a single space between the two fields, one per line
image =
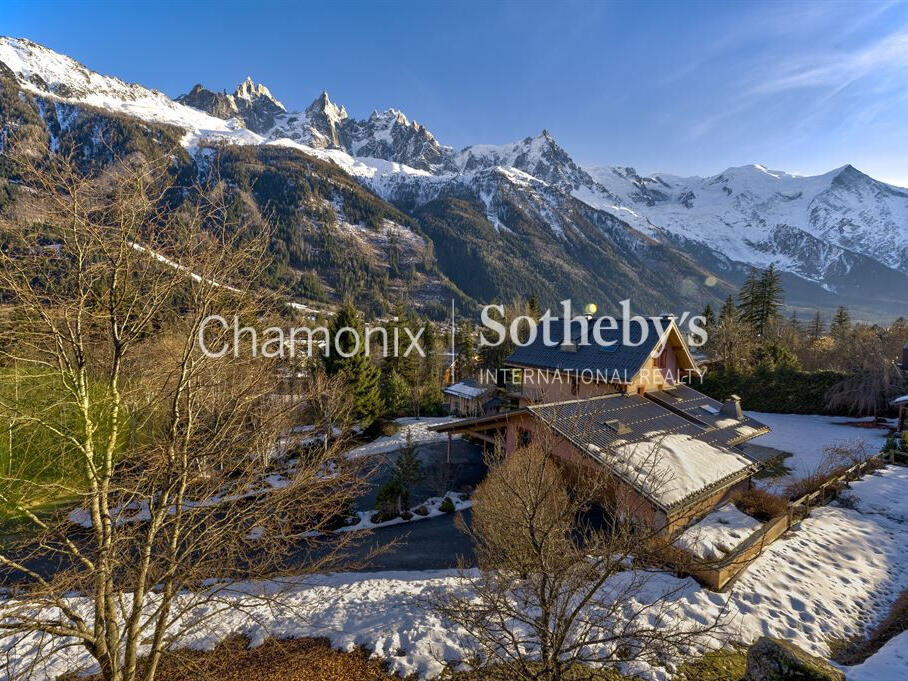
x=430 y=544
x=468 y=470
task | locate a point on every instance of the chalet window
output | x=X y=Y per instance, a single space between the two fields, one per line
x=525 y=437
x=661 y=358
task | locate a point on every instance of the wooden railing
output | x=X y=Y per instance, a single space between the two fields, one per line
x=716 y=574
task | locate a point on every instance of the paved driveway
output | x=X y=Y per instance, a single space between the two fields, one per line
x=431 y=544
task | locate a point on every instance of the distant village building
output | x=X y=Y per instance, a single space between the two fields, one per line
x=467 y=398
x=672 y=451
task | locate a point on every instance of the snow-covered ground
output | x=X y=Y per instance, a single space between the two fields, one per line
x=834 y=576
x=806 y=436
x=719 y=532
x=418 y=427
x=890 y=663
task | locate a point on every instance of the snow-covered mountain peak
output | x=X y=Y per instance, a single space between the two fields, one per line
x=390 y=116
x=756 y=170
x=42 y=70
x=540 y=156
x=320 y=123
x=252 y=104
x=251 y=92
x=52 y=76
x=323 y=106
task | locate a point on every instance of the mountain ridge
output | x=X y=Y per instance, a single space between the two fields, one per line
x=833 y=232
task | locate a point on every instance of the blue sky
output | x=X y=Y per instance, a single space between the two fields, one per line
x=687 y=88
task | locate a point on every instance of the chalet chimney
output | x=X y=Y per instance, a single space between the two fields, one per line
x=732 y=408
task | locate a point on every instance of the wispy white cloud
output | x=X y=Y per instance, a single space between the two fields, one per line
x=856 y=83
x=837 y=70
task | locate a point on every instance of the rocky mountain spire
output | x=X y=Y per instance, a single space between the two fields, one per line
x=326 y=118
x=251 y=92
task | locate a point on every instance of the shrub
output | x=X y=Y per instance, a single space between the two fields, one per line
x=849 y=501
x=897 y=442
x=388 y=497
x=813 y=482
x=836 y=460
x=382 y=517
x=447 y=506
x=760 y=504
x=406 y=515
x=421 y=510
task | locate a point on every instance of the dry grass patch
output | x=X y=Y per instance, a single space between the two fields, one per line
x=305 y=659
x=716 y=665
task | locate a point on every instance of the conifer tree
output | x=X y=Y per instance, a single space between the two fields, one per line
x=760 y=298
x=465 y=350
x=395 y=391
x=405 y=365
x=729 y=309
x=361 y=374
x=430 y=367
x=407 y=471
x=841 y=324
x=816 y=329
x=533 y=309
x=709 y=317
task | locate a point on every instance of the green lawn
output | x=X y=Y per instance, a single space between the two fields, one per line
x=39 y=468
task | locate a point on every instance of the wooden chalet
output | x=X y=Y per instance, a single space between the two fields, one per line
x=672 y=450
x=468 y=398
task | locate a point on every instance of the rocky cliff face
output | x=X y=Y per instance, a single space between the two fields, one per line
x=250 y=103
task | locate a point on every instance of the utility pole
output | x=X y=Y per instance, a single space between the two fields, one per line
x=452 y=342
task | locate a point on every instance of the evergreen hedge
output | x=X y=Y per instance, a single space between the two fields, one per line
x=781 y=390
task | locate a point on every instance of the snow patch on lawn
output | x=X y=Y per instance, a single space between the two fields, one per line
x=418 y=427
x=889 y=662
x=806 y=437
x=884 y=493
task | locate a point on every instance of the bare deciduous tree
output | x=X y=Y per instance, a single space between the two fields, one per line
x=161 y=451
x=557 y=596
x=873 y=380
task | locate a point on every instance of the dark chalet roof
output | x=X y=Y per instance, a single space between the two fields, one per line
x=618 y=423
x=721 y=429
x=617 y=362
